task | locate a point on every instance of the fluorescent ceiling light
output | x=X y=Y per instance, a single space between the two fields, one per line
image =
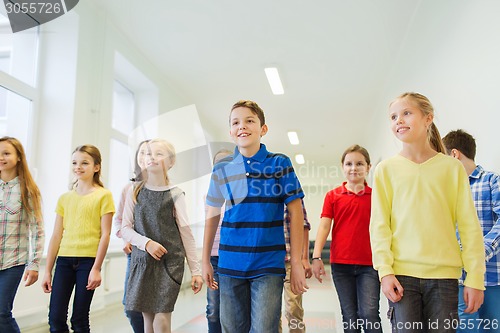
x=274 y=80
x=299 y=158
x=293 y=137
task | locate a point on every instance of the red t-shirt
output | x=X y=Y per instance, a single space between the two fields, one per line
x=351 y=219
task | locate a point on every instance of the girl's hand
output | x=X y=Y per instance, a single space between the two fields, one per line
x=156 y=250
x=391 y=288
x=318 y=269
x=208 y=276
x=196 y=283
x=127 y=248
x=473 y=298
x=47 y=283
x=30 y=277
x=94 y=280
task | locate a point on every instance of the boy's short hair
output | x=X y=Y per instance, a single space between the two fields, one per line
x=461 y=140
x=253 y=107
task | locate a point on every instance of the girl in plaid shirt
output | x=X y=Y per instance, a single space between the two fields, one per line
x=21 y=228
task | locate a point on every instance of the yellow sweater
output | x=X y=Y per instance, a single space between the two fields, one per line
x=82 y=221
x=416 y=209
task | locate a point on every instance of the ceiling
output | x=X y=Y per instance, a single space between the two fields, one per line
x=334 y=59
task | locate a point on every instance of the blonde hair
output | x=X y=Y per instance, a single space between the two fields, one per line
x=424 y=105
x=171 y=155
x=96 y=157
x=31 y=198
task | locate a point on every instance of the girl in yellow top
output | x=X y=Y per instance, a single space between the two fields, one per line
x=419 y=198
x=79 y=241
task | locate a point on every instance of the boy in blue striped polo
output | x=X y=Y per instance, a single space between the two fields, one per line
x=485 y=187
x=255 y=185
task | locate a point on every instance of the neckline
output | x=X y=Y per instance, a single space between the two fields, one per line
x=421 y=163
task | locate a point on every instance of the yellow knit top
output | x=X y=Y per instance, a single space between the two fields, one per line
x=416 y=210
x=82 y=221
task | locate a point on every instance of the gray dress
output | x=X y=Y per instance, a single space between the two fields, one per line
x=153 y=286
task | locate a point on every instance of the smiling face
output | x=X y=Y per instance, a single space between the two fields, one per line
x=355 y=168
x=408 y=122
x=246 y=130
x=158 y=157
x=8 y=158
x=84 y=166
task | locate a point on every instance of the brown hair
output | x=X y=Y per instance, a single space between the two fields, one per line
x=31 y=198
x=171 y=155
x=359 y=149
x=460 y=140
x=96 y=157
x=424 y=105
x=222 y=151
x=137 y=168
x=253 y=107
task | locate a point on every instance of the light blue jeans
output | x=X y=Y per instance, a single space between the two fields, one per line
x=9 y=281
x=487 y=319
x=213 y=301
x=250 y=305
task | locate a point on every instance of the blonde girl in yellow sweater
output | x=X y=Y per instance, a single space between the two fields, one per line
x=420 y=198
x=79 y=243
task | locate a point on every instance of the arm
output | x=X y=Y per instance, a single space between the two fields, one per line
x=492 y=238
x=211 y=223
x=37 y=239
x=128 y=232
x=305 y=254
x=94 y=280
x=189 y=243
x=325 y=225
x=55 y=242
x=297 y=280
x=118 y=220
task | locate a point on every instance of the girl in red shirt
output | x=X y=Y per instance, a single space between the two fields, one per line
x=348 y=207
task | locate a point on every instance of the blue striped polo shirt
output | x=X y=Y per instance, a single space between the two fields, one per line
x=255 y=191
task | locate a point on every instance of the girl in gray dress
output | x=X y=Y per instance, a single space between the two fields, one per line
x=155 y=223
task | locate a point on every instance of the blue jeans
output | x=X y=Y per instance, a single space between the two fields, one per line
x=358 y=288
x=487 y=319
x=213 y=301
x=250 y=305
x=9 y=282
x=71 y=272
x=428 y=305
x=134 y=317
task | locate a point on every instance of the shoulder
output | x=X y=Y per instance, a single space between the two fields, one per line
x=176 y=192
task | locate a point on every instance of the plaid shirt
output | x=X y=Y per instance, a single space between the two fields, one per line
x=485 y=188
x=17 y=229
x=287 y=229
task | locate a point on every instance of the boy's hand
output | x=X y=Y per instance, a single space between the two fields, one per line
x=318 y=270
x=307 y=268
x=208 y=276
x=156 y=250
x=473 y=298
x=298 y=280
x=391 y=288
x=30 y=277
x=196 y=283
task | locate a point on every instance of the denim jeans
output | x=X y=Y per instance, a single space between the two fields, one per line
x=71 y=272
x=9 y=282
x=358 y=288
x=250 y=305
x=487 y=319
x=134 y=317
x=428 y=305
x=213 y=301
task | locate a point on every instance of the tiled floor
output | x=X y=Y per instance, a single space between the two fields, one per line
x=322 y=312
